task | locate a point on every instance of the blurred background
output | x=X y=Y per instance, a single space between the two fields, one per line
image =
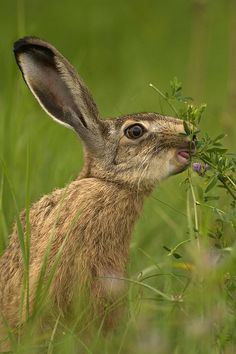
x=118 y=47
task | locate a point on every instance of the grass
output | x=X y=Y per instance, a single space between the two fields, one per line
x=175 y=305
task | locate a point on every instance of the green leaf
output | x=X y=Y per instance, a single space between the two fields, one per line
x=210 y=198
x=211 y=184
x=216 y=149
x=177 y=255
x=219 y=137
x=186 y=128
x=167 y=248
x=217 y=144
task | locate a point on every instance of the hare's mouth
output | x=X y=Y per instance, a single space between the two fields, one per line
x=184 y=156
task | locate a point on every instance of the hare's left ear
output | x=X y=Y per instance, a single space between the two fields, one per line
x=59 y=90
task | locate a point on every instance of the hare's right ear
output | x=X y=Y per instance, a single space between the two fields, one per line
x=59 y=90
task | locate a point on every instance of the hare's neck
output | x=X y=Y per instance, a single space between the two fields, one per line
x=109 y=211
x=137 y=187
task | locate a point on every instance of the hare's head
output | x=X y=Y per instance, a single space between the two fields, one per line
x=139 y=149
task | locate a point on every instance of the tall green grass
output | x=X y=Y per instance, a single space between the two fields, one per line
x=175 y=305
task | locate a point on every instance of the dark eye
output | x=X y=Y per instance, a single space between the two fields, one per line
x=134 y=131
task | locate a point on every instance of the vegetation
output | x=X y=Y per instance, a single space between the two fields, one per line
x=182 y=278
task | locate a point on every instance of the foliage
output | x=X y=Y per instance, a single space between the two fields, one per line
x=218 y=166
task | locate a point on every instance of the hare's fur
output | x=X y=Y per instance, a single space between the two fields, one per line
x=73 y=213
x=91 y=220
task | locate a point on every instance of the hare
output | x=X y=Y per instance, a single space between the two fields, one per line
x=90 y=221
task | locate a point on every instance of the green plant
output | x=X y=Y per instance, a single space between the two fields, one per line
x=217 y=166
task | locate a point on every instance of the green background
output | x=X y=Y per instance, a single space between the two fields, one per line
x=119 y=47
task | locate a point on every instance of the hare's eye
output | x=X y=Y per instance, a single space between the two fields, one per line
x=134 y=131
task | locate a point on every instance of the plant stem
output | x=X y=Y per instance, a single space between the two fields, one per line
x=195 y=203
x=230 y=180
x=165 y=98
x=221 y=179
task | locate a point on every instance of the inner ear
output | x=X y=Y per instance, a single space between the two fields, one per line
x=44 y=77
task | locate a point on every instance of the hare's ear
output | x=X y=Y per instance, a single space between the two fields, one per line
x=59 y=89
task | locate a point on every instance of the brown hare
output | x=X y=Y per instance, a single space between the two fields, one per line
x=91 y=220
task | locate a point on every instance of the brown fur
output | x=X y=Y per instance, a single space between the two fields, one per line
x=92 y=218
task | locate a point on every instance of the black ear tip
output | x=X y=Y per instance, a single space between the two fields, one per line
x=35 y=46
x=21 y=43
